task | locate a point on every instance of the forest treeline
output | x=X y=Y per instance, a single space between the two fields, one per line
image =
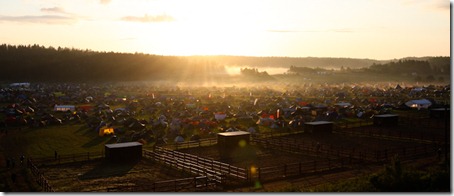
x=38 y=63
x=434 y=65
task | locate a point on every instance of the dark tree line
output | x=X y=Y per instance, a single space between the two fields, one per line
x=255 y=74
x=434 y=65
x=307 y=70
x=38 y=63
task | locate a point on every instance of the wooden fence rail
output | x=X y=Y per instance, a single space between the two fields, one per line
x=298 y=168
x=191 y=144
x=68 y=158
x=194 y=184
x=333 y=151
x=39 y=177
x=198 y=165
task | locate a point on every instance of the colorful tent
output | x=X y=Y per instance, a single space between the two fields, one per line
x=106 y=131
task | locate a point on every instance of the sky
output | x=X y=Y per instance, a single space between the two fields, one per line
x=374 y=29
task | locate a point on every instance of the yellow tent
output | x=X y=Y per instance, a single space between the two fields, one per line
x=106 y=131
x=58 y=94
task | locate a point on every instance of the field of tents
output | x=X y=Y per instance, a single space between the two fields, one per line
x=41 y=120
x=162 y=115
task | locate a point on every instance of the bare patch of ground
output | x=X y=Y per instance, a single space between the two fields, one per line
x=98 y=176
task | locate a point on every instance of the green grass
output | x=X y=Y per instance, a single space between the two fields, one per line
x=65 y=139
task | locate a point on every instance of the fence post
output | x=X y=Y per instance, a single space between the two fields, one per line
x=299 y=168
x=386 y=154
x=285 y=170
x=195 y=184
x=247 y=172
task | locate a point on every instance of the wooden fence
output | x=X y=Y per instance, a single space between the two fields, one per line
x=198 y=165
x=397 y=133
x=298 y=168
x=353 y=154
x=192 y=144
x=68 y=158
x=39 y=177
x=194 y=184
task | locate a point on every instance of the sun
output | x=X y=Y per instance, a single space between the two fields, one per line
x=206 y=28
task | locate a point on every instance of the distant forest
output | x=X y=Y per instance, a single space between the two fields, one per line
x=35 y=63
x=433 y=65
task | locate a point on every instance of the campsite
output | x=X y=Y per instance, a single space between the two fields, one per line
x=201 y=96
x=225 y=138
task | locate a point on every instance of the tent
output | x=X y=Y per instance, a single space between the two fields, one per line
x=265 y=121
x=220 y=116
x=343 y=104
x=20 y=84
x=106 y=131
x=419 y=103
x=179 y=139
x=64 y=108
x=85 y=108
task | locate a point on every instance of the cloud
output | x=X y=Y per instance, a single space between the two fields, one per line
x=436 y=5
x=47 y=19
x=105 y=2
x=344 y=30
x=442 y=6
x=54 y=10
x=283 y=31
x=146 y=18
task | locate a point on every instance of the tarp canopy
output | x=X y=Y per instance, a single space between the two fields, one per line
x=419 y=103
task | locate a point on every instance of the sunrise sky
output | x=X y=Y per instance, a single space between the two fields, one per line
x=376 y=29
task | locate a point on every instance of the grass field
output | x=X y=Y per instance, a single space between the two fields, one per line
x=42 y=142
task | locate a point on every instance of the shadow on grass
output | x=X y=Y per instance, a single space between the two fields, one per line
x=95 y=141
x=83 y=128
x=108 y=169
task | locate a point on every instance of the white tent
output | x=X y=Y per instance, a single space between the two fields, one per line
x=64 y=108
x=179 y=139
x=419 y=103
x=220 y=116
x=343 y=104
